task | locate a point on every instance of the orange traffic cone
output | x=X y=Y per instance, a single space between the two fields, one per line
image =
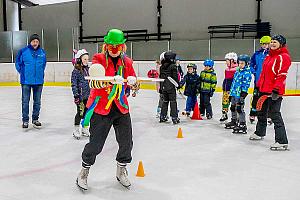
x=140 y=172
x=179 y=135
x=196 y=113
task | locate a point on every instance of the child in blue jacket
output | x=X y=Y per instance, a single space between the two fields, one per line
x=191 y=82
x=238 y=93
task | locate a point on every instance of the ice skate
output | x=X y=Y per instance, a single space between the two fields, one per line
x=186 y=113
x=208 y=116
x=253 y=136
x=36 y=124
x=81 y=180
x=231 y=124
x=85 y=132
x=175 y=120
x=270 y=122
x=224 y=117
x=278 y=147
x=163 y=119
x=122 y=175
x=77 y=133
x=240 y=129
x=158 y=112
x=252 y=119
x=25 y=125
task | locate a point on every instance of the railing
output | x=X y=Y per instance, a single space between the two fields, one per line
x=59 y=43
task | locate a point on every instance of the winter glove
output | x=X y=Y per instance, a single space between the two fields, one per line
x=211 y=93
x=118 y=79
x=275 y=95
x=160 y=91
x=243 y=94
x=77 y=100
x=241 y=101
x=131 y=80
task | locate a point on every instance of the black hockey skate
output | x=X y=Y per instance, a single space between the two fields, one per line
x=208 y=116
x=231 y=124
x=240 y=129
x=163 y=119
x=175 y=120
x=270 y=122
x=252 y=119
x=186 y=113
x=25 y=125
x=224 y=117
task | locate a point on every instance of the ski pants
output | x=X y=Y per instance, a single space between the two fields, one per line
x=273 y=108
x=237 y=109
x=225 y=101
x=190 y=103
x=100 y=126
x=81 y=110
x=205 y=104
x=169 y=96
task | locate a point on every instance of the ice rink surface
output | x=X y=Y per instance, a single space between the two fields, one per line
x=208 y=163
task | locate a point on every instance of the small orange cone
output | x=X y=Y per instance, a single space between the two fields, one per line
x=196 y=113
x=179 y=135
x=140 y=172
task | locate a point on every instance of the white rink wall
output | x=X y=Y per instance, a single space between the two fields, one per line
x=61 y=71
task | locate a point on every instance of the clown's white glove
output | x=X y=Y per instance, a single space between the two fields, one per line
x=131 y=80
x=118 y=79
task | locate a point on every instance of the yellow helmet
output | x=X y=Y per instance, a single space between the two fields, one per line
x=265 y=39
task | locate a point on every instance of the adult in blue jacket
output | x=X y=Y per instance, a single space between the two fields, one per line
x=31 y=64
x=256 y=63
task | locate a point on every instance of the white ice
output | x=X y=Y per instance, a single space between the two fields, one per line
x=208 y=163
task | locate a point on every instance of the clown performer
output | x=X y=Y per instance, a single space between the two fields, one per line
x=109 y=107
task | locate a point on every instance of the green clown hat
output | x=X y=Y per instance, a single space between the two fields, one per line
x=114 y=37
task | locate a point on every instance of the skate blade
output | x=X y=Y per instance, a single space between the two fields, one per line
x=241 y=133
x=127 y=187
x=279 y=149
x=76 y=137
x=254 y=139
x=36 y=127
x=80 y=188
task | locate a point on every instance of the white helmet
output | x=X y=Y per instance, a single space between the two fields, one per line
x=80 y=53
x=162 y=56
x=231 y=56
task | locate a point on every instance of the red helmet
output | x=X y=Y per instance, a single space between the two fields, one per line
x=152 y=73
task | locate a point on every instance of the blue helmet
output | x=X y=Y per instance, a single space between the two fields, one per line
x=193 y=65
x=245 y=58
x=209 y=62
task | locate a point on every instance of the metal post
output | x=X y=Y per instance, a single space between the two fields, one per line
x=168 y=45
x=20 y=16
x=131 y=50
x=4 y=15
x=254 y=45
x=43 y=46
x=159 y=25
x=209 y=48
x=80 y=21
x=11 y=47
x=57 y=41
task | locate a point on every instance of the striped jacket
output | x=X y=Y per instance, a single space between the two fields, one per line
x=208 y=81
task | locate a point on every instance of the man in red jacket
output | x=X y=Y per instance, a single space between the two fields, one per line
x=111 y=109
x=272 y=83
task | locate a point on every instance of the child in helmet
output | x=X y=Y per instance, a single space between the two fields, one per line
x=231 y=62
x=238 y=93
x=81 y=90
x=208 y=82
x=169 y=72
x=256 y=63
x=191 y=82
